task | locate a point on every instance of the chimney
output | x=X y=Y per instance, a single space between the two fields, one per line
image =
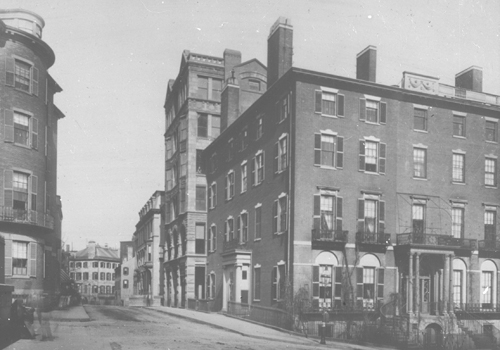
x=470 y=79
x=231 y=58
x=279 y=50
x=366 y=64
x=91 y=249
x=67 y=247
x=230 y=102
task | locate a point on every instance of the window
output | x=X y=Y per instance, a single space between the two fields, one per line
x=199 y=162
x=258 y=222
x=326 y=288
x=108 y=276
x=457 y=287
x=230 y=149
x=244 y=177
x=85 y=264
x=243 y=228
x=420 y=163
x=78 y=265
x=78 y=276
x=458 y=167
x=201 y=198
x=95 y=276
x=215 y=126
x=85 y=276
x=418 y=217
x=327 y=215
x=125 y=284
x=329 y=103
x=19 y=258
x=212 y=239
x=254 y=85
x=372 y=156
x=258 y=169
x=200 y=238
x=125 y=271
x=230 y=185
x=491 y=131
x=256 y=283
x=72 y=276
x=457 y=222
x=259 y=128
x=71 y=265
x=369 y=285
x=486 y=289
x=95 y=289
x=108 y=265
x=244 y=139
x=458 y=126
x=490 y=224
x=102 y=289
x=280 y=214
x=325 y=153
x=283 y=107
x=211 y=286
x=20 y=188
x=202 y=125
x=490 y=172
x=103 y=265
x=209 y=88
x=26 y=76
x=371 y=110
x=420 y=119
x=95 y=264
x=21 y=128
x=212 y=196
x=229 y=230
x=280 y=155
x=278 y=282
x=103 y=276
x=371 y=215
x=213 y=163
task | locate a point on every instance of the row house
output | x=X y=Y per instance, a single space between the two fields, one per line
x=356 y=193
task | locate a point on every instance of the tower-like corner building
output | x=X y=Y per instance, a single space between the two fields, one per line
x=30 y=209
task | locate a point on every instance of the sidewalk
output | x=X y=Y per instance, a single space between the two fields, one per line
x=251 y=329
x=71 y=314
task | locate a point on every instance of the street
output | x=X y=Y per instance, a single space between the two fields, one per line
x=119 y=328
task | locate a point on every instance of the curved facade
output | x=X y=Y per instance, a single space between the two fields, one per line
x=30 y=210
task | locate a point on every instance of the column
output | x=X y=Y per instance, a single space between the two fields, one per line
x=410 y=285
x=417 y=284
x=451 y=282
x=440 y=292
x=446 y=280
x=237 y=278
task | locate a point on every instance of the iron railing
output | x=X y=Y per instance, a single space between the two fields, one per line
x=373 y=238
x=234 y=244
x=483 y=333
x=267 y=315
x=30 y=217
x=489 y=245
x=435 y=240
x=476 y=307
x=329 y=235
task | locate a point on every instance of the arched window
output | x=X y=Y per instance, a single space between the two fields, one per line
x=125 y=271
x=369 y=282
x=125 y=284
x=459 y=275
x=327 y=281
x=488 y=283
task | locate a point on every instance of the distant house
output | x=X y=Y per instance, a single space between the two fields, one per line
x=93 y=270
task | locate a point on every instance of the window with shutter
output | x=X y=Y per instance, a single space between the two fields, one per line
x=372 y=156
x=359 y=287
x=34 y=190
x=315 y=287
x=34 y=80
x=372 y=111
x=380 y=284
x=34 y=133
x=256 y=283
x=339 y=215
x=329 y=103
x=8 y=257
x=8 y=197
x=275 y=216
x=258 y=222
x=274 y=284
x=10 y=68
x=338 y=282
x=9 y=125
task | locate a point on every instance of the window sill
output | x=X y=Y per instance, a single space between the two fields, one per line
x=493 y=142
x=369 y=172
x=329 y=116
x=372 y=123
x=458 y=183
x=279 y=233
x=420 y=178
x=282 y=120
x=257 y=239
x=326 y=167
x=21 y=145
x=421 y=131
x=491 y=187
x=243 y=192
x=22 y=277
x=257 y=184
x=459 y=137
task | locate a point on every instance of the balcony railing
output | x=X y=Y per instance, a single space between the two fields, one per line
x=435 y=240
x=489 y=245
x=329 y=235
x=30 y=217
x=476 y=307
x=373 y=238
x=234 y=244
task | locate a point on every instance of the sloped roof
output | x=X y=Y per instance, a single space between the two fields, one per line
x=97 y=253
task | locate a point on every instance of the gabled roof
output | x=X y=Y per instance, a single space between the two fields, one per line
x=97 y=253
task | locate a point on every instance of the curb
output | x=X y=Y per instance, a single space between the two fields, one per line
x=313 y=343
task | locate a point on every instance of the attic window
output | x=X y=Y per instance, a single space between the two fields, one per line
x=254 y=85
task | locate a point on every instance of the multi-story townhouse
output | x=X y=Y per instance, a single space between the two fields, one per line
x=30 y=210
x=124 y=273
x=192 y=109
x=359 y=195
x=93 y=270
x=146 y=243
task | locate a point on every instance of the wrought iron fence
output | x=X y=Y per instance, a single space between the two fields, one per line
x=329 y=235
x=267 y=315
x=476 y=307
x=373 y=238
x=234 y=244
x=435 y=240
x=31 y=217
x=489 y=245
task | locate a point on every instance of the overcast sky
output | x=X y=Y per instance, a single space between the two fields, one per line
x=114 y=59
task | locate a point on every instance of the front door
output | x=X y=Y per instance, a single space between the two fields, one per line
x=425 y=294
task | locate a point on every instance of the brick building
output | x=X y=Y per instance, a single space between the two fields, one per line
x=192 y=109
x=124 y=273
x=147 y=272
x=93 y=270
x=350 y=191
x=30 y=210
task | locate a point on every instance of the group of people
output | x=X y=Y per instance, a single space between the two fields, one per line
x=22 y=320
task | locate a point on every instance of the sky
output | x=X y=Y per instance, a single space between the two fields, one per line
x=114 y=59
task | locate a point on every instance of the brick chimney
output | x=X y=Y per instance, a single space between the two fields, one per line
x=470 y=79
x=279 y=50
x=366 y=64
x=230 y=102
x=91 y=249
x=231 y=59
